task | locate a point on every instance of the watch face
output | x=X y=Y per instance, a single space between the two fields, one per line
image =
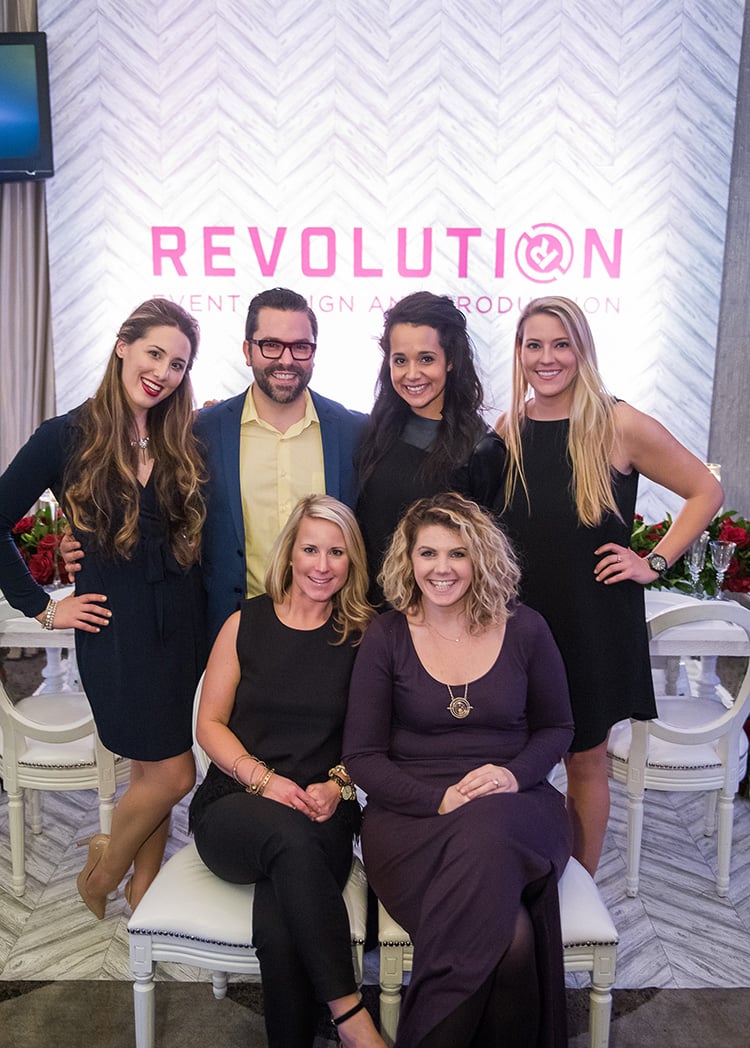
x=348 y=793
x=657 y=562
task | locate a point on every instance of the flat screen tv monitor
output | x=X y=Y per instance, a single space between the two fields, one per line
x=25 y=126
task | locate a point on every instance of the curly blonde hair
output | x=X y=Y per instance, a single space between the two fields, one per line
x=593 y=428
x=102 y=496
x=351 y=610
x=495 y=575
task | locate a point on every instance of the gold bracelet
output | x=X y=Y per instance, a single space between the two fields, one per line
x=252 y=786
x=264 y=781
x=49 y=615
x=242 y=757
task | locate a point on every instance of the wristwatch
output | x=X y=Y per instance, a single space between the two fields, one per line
x=657 y=563
x=341 y=777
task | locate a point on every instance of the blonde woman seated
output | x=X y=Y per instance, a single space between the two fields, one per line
x=276 y=808
x=458 y=710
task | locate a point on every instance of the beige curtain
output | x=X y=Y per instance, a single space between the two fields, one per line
x=27 y=376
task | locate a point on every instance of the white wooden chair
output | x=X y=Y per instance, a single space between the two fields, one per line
x=695 y=744
x=190 y=916
x=589 y=944
x=49 y=742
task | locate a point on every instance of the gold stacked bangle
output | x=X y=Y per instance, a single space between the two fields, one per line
x=49 y=615
x=253 y=786
x=263 y=783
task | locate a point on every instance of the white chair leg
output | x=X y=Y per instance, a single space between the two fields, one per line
x=17 y=842
x=219 y=983
x=635 y=834
x=600 y=1013
x=144 y=1008
x=709 y=819
x=34 y=808
x=726 y=823
x=391 y=976
x=106 y=807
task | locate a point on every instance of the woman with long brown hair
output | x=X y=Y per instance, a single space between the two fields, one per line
x=126 y=470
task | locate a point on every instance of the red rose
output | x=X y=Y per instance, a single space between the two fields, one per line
x=42 y=567
x=48 y=543
x=25 y=524
x=731 y=533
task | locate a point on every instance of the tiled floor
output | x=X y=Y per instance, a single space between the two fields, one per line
x=677 y=933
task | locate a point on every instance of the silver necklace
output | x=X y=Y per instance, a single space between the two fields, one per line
x=141 y=443
x=459 y=706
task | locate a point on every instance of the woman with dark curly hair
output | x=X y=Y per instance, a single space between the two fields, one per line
x=126 y=470
x=425 y=421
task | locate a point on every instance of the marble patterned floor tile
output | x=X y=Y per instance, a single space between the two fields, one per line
x=676 y=932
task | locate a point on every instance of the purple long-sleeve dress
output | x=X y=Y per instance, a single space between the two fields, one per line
x=455 y=881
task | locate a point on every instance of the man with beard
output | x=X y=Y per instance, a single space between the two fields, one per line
x=266 y=448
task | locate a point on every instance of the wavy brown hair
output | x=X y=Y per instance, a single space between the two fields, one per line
x=101 y=491
x=592 y=431
x=495 y=574
x=351 y=610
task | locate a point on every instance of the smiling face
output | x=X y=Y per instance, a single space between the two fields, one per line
x=320 y=562
x=419 y=369
x=442 y=567
x=284 y=380
x=549 y=365
x=152 y=367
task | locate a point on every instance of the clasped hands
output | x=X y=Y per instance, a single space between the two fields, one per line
x=318 y=802
x=481 y=782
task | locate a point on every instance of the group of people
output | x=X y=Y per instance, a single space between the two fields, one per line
x=486 y=622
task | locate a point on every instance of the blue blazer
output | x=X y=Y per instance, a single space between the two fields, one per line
x=218 y=430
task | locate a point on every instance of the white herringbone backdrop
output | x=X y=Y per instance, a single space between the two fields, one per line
x=356 y=150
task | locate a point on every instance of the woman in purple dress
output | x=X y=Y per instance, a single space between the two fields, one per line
x=458 y=710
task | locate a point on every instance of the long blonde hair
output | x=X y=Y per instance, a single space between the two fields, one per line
x=495 y=575
x=593 y=429
x=351 y=610
x=102 y=496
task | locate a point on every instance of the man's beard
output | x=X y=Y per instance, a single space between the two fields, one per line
x=288 y=393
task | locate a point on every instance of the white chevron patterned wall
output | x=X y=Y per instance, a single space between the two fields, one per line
x=507 y=129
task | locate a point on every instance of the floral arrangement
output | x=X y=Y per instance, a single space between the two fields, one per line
x=727 y=527
x=38 y=538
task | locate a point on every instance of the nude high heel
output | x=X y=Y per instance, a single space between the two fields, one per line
x=97 y=845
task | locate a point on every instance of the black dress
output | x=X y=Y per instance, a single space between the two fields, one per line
x=600 y=630
x=140 y=672
x=289 y=711
x=455 y=881
x=397 y=480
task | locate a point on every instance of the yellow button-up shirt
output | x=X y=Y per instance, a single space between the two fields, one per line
x=276 y=470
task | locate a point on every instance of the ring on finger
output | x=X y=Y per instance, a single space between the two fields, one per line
x=495 y=782
x=619 y=558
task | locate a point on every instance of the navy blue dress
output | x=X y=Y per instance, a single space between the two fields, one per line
x=140 y=672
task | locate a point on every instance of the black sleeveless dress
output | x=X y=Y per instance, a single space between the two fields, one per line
x=600 y=630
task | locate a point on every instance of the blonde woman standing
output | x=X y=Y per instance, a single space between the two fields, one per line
x=565 y=470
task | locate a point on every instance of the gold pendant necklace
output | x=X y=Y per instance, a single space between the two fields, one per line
x=459 y=706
